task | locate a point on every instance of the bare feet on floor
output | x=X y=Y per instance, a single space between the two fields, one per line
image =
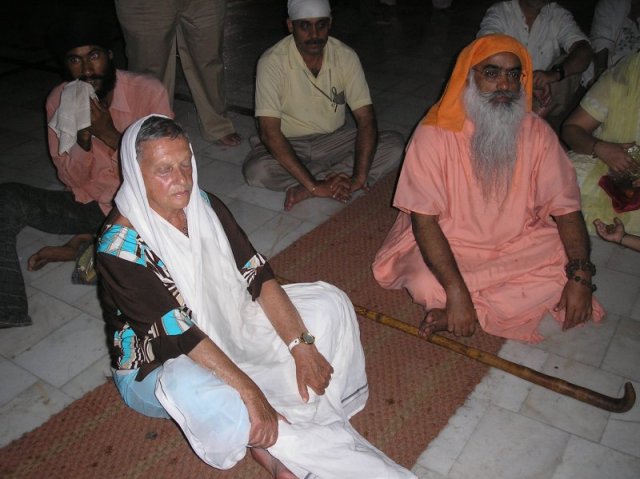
x=295 y=195
x=232 y=139
x=50 y=254
x=434 y=321
x=271 y=464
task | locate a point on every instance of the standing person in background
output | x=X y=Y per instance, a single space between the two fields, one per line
x=154 y=30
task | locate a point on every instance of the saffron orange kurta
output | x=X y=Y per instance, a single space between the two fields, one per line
x=509 y=253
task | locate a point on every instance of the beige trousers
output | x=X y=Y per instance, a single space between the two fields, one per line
x=321 y=155
x=154 y=30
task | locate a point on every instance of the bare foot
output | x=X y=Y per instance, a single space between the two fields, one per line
x=49 y=254
x=271 y=464
x=434 y=321
x=232 y=139
x=295 y=195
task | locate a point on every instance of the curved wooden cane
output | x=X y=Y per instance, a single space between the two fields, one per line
x=558 y=385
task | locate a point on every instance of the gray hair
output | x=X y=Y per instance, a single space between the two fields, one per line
x=157 y=128
x=494 y=144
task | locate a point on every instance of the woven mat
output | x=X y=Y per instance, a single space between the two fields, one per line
x=414 y=386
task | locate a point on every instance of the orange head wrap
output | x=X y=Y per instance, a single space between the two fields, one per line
x=449 y=112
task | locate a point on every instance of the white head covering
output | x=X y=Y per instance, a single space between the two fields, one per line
x=201 y=265
x=308 y=9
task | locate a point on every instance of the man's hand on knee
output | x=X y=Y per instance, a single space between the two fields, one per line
x=576 y=301
x=461 y=314
x=312 y=370
x=263 y=419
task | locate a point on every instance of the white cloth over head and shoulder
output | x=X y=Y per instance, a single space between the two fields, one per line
x=217 y=293
x=308 y=9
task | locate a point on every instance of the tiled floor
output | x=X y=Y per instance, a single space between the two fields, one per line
x=507 y=429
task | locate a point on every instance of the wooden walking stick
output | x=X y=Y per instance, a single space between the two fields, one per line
x=558 y=385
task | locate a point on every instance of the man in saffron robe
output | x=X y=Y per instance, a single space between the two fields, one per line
x=490 y=229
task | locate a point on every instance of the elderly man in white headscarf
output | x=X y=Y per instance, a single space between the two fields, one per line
x=203 y=333
x=304 y=84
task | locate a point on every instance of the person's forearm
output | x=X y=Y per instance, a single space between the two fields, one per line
x=578 y=59
x=208 y=355
x=574 y=236
x=281 y=312
x=366 y=139
x=630 y=241
x=580 y=140
x=281 y=149
x=436 y=253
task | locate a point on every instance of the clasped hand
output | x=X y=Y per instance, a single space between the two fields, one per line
x=338 y=186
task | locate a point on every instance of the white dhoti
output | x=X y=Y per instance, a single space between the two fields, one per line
x=318 y=440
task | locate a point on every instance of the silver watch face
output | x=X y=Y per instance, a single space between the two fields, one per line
x=307 y=338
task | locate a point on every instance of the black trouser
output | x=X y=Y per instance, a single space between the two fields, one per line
x=50 y=211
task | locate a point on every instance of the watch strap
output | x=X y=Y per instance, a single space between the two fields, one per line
x=294 y=343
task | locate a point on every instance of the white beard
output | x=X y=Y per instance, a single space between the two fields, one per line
x=494 y=145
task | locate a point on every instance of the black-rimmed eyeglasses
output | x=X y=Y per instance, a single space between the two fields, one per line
x=493 y=74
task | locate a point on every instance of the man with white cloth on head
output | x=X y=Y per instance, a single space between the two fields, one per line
x=204 y=334
x=304 y=85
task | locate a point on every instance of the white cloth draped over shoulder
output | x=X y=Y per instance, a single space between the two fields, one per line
x=318 y=439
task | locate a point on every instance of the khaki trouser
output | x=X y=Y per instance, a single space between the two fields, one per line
x=321 y=155
x=155 y=29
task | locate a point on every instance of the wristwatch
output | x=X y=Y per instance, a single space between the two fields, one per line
x=558 y=69
x=304 y=338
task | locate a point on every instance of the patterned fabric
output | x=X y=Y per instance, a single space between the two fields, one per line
x=126 y=244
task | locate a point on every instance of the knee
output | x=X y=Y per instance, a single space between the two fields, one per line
x=211 y=413
x=336 y=315
x=252 y=172
x=393 y=142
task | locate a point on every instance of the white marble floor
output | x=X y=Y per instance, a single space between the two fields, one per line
x=507 y=429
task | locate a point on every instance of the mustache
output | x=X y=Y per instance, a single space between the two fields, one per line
x=511 y=95
x=87 y=78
